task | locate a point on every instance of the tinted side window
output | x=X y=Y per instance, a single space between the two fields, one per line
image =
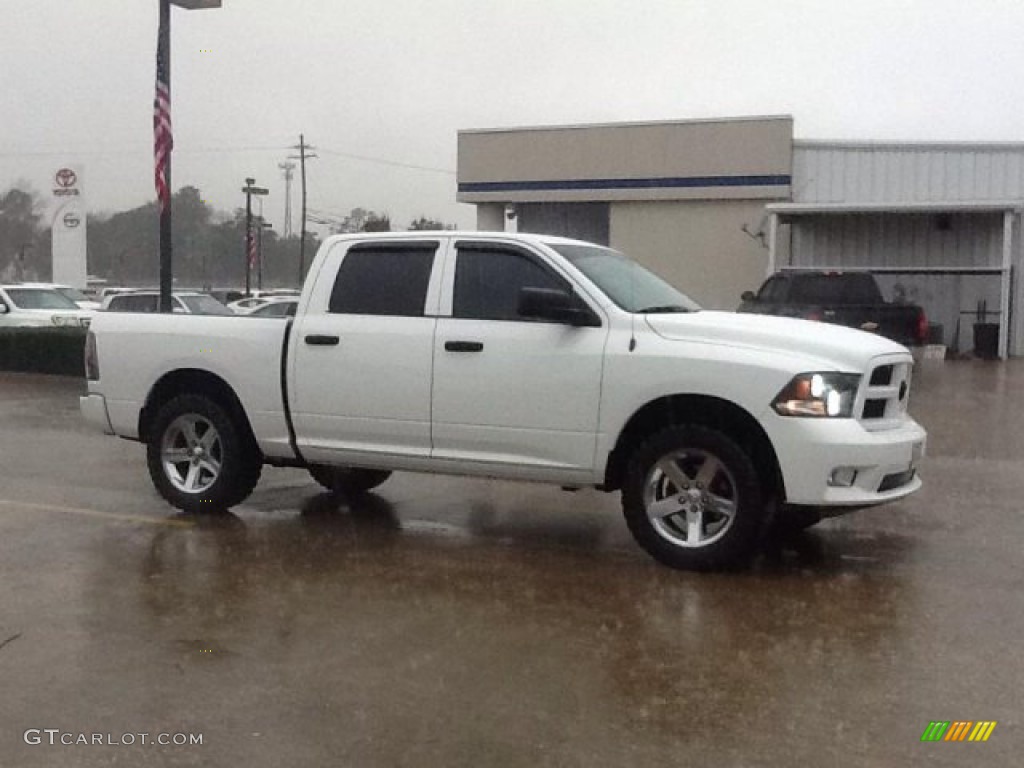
x=383 y=281
x=487 y=283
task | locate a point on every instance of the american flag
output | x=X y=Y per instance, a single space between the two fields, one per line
x=163 y=141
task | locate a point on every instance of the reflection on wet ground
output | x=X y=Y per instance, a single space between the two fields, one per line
x=458 y=622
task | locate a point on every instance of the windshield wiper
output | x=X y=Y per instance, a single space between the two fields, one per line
x=663 y=309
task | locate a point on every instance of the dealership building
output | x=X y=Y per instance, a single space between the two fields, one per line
x=716 y=205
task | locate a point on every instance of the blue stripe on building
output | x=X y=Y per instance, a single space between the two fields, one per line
x=672 y=182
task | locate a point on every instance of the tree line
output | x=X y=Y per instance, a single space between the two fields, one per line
x=209 y=246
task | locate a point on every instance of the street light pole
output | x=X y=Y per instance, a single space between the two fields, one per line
x=259 y=250
x=250 y=244
x=248 y=234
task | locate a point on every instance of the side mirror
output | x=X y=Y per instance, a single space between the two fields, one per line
x=555 y=306
x=748 y=296
x=3 y=309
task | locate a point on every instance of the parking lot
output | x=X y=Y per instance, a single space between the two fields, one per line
x=455 y=622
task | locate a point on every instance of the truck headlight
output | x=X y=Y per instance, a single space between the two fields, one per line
x=59 y=320
x=818 y=395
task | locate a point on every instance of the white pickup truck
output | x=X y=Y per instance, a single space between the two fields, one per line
x=521 y=357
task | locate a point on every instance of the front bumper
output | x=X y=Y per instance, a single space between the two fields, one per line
x=94 y=410
x=810 y=451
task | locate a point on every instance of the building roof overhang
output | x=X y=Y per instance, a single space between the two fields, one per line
x=950 y=206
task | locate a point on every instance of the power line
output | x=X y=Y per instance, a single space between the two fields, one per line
x=149 y=149
x=223 y=149
x=382 y=161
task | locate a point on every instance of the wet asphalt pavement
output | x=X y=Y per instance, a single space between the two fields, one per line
x=448 y=622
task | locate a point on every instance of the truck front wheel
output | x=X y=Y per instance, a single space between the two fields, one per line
x=692 y=499
x=348 y=481
x=199 y=459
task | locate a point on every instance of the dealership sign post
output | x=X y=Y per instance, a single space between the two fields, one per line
x=68 y=227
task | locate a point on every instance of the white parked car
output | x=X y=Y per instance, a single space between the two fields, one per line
x=275 y=306
x=183 y=302
x=520 y=357
x=24 y=305
x=77 y=296
x=257 y=299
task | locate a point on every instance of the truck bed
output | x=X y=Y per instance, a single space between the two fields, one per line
x=245 y=352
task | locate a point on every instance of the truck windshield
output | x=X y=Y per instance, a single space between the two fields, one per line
x=39 y=298
x=631 y=286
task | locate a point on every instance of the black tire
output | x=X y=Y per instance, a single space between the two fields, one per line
x=348 y=481
x=718 y=524
x=233 y=450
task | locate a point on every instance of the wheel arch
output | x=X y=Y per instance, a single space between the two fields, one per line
x=704 y=410
x=192 y=381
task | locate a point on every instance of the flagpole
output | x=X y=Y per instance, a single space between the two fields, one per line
x=164 y=49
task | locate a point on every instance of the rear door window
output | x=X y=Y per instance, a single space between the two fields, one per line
x=384 y=279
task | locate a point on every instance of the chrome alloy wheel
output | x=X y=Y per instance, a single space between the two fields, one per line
x=191 y=453
x=690 y=498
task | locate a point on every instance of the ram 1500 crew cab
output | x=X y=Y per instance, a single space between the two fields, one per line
x=520 y=357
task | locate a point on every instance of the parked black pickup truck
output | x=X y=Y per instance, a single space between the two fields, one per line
x=852 y=299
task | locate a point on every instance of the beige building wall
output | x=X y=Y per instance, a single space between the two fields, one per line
x=735 y=158
x=490 y=217
x=698 y=246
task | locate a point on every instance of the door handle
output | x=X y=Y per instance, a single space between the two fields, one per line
x=464 y=346
x=318 y=340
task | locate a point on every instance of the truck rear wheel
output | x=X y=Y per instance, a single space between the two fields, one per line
x=348 y=481
x=199 y=459
x=692 y=499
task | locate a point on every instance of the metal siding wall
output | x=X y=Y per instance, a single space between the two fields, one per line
x=890 y=173
x=1017 y=292
x=914 y=241
x=870 y=240
x=583 y=221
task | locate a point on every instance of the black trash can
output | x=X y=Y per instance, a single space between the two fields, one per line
x=986 y=340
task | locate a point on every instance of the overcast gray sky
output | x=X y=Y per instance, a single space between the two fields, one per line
x=395 y=80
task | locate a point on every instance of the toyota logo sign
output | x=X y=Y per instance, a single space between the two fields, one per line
x=65 y=178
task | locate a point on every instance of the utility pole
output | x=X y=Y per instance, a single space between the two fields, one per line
x=304 y=153
x=289 y=171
